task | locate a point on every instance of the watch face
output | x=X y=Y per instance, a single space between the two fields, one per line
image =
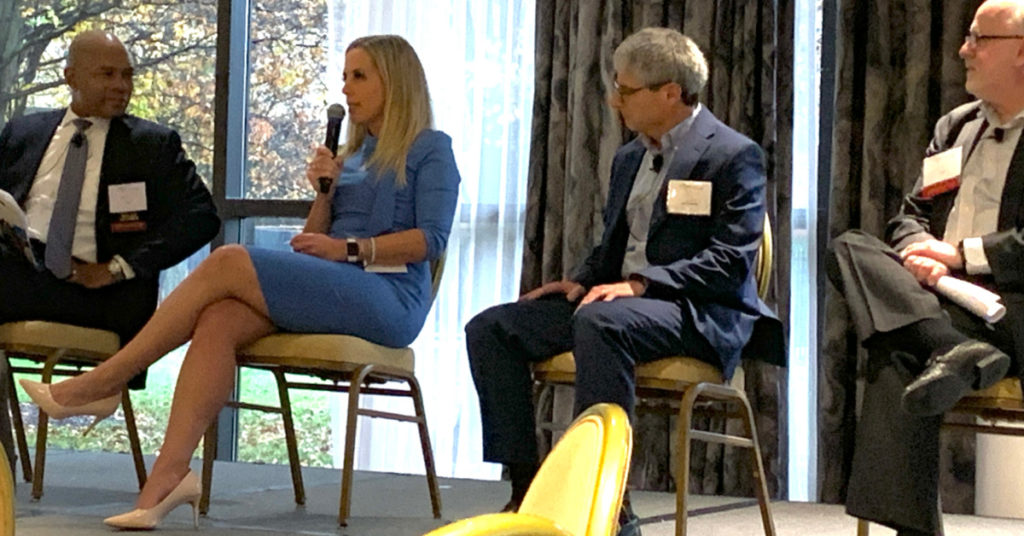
x=352 y=248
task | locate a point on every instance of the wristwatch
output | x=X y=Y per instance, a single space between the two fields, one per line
x=116 y=270
x=352 y=250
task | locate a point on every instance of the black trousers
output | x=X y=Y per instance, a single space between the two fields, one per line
x=894 y=476
x=28 y=294
x=608 y=339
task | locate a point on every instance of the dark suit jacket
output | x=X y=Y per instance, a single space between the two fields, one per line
x=180 y=216
x=922 y=218
x=702 y=262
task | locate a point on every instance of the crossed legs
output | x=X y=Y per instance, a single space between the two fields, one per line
x=220 y=308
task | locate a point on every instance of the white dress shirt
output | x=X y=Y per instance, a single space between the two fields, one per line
x=975 y=210
x=43 y=194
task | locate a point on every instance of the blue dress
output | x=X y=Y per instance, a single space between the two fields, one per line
x=308 y=294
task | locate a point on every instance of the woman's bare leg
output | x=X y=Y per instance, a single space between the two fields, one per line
x=206 y=379
x=227 y=273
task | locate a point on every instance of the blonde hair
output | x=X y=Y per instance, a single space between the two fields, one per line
x=406 y=103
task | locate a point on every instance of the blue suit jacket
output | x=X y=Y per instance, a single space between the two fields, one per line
x=702 y=262
x=180 y=216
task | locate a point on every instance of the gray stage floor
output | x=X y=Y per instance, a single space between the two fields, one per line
x=83 y=487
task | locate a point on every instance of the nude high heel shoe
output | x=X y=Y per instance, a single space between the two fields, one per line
x=187 y=491
x=40 y=394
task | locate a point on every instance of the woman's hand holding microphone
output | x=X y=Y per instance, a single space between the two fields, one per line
x=314 y=240
x=324 y=164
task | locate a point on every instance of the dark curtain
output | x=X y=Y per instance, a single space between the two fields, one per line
x=896 y=72
x=749 y=47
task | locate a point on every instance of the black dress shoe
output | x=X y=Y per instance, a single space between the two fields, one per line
x=950 y=375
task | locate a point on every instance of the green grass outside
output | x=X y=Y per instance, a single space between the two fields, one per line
x=261 y=438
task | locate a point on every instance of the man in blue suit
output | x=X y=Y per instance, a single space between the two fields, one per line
x=142 y=207
x=672 y=274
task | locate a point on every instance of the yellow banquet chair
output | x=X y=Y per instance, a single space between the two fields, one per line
x=62 y=350
x=996 y=410
x=578 y=489
x=6 y=496
x=354 y=366
x=689 y=384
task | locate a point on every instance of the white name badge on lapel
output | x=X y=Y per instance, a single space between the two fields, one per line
x=688 y=198
x=128 y=197
x=941 y=172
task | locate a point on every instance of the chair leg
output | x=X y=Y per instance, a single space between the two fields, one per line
x=209 y=454
x=543 y=425
x=683 y=457
x=863 y=527
x=428 y=453
x=133 y=437
x=760 y=484
x=43 y=427
x=355 y=387
x=289 y=437
x=19 y=428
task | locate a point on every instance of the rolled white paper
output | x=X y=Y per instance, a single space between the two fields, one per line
x=975 y=299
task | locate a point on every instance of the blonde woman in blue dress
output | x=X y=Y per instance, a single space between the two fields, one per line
x=394 y=194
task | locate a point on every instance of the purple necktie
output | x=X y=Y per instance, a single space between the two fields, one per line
x=65 y=210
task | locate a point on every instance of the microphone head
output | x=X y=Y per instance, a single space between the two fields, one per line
x=335 y=111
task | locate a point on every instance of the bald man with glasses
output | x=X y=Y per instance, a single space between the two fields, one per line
x=925 y=353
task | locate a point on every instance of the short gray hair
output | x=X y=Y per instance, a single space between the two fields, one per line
x=661 y=55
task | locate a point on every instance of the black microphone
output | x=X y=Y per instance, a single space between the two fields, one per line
x=658 y=161
x=335 y=115
x=998 y=134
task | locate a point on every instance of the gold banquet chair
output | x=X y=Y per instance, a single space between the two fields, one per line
x=593 y=457
x=354 y=366
x=996 y=408
x=700 y=385
x=62 y=350
x=6 y=496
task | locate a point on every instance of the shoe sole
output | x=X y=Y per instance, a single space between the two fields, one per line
x=990 y=370
x=939 y=395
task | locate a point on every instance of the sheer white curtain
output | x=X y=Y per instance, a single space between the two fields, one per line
x=478 y=56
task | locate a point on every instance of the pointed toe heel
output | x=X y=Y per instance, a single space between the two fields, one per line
x=40 y=394
x=187 y=491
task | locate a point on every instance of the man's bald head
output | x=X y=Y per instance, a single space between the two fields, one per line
x=99 y=73
x=1010 y=10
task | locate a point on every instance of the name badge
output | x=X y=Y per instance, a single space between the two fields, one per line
x=941 y=172
x=129 y=197
x=387 y=268
x=689 y=198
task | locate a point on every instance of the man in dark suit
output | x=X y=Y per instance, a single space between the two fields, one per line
x=673 y=271
x=965 y=218
x=141 y=206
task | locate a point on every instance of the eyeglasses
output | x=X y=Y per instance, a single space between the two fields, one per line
x=625 y=91
x=974 y=38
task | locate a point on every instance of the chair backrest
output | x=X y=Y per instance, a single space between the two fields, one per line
x=580 y=484
x=763 y=261
x=436 y=271
x=6 y=495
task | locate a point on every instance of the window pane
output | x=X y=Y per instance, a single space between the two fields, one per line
x=173 y=46
x=287 y=95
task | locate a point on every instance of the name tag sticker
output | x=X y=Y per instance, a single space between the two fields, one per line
x=129 y=197
x=689 y=198
x=941 y=172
